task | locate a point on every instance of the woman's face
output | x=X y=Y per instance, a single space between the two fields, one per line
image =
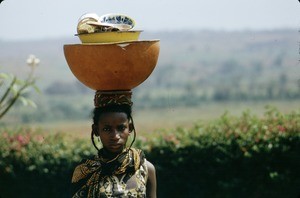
x=113 y=129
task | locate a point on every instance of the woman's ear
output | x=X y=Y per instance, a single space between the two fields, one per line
x=130 y=127
x=95 y=130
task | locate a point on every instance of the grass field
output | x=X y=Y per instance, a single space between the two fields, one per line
x=157 y=120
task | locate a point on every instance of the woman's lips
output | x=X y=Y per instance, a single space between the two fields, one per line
x=115 y=146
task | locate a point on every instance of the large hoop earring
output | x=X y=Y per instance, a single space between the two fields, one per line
x=93 y=141
x=134 y=132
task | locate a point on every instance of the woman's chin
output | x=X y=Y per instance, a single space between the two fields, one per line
x=115 y=149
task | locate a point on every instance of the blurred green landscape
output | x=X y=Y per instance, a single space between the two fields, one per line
x=199 y=76
x=232 y=156
x=221 y=110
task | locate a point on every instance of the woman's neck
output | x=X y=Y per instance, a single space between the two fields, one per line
x=109 y=155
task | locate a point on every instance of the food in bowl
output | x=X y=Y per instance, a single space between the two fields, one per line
x=106 y=29
x=117 y=20
x=92 y=23
x=84 y=25
x=109 y=37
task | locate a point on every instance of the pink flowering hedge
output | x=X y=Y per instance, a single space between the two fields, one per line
x=36 y=164
x=244 y=156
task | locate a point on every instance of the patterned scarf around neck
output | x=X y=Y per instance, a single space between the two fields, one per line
x=92 y=170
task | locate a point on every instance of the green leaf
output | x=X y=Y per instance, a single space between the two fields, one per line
x=20 y=82
x=23 y=100
x=14 y=89
x=27 y=102
x=31 y=103
x=25 y=90
x=36 y=89
x=4 y=75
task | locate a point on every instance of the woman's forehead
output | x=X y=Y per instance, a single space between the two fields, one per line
x=113 y=117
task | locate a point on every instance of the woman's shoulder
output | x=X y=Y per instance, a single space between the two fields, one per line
x=85 y=168
x=90 y=161
x=151 y=181
x=149 y=165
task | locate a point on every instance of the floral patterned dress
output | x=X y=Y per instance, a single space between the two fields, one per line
x=125 y=176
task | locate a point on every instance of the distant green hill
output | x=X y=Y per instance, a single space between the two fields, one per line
x=185 y=57
x=193 y=66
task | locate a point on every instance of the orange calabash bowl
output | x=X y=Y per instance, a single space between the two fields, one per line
x=112 y=66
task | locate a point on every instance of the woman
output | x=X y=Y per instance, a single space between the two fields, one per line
x=118 y=170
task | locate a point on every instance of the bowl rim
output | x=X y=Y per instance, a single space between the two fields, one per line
x=115 y=43
x=114 y=32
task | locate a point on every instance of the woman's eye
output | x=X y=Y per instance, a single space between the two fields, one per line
x=121 y=128
x=106 y=129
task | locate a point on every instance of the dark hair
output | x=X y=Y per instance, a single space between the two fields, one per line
x=111 y=108
x=98 y=112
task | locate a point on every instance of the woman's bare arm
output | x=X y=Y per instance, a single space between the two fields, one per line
x=151 y=182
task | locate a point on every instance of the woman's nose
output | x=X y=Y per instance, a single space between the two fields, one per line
x=115 y=135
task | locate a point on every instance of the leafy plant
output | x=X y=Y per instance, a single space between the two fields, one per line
x=15 y=88
x=244 y=156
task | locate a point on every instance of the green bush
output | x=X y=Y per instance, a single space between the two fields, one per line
x=242 y=156
x=231 y=157
x=35 y=163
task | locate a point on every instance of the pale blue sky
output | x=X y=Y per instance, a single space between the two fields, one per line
x=38 y=19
